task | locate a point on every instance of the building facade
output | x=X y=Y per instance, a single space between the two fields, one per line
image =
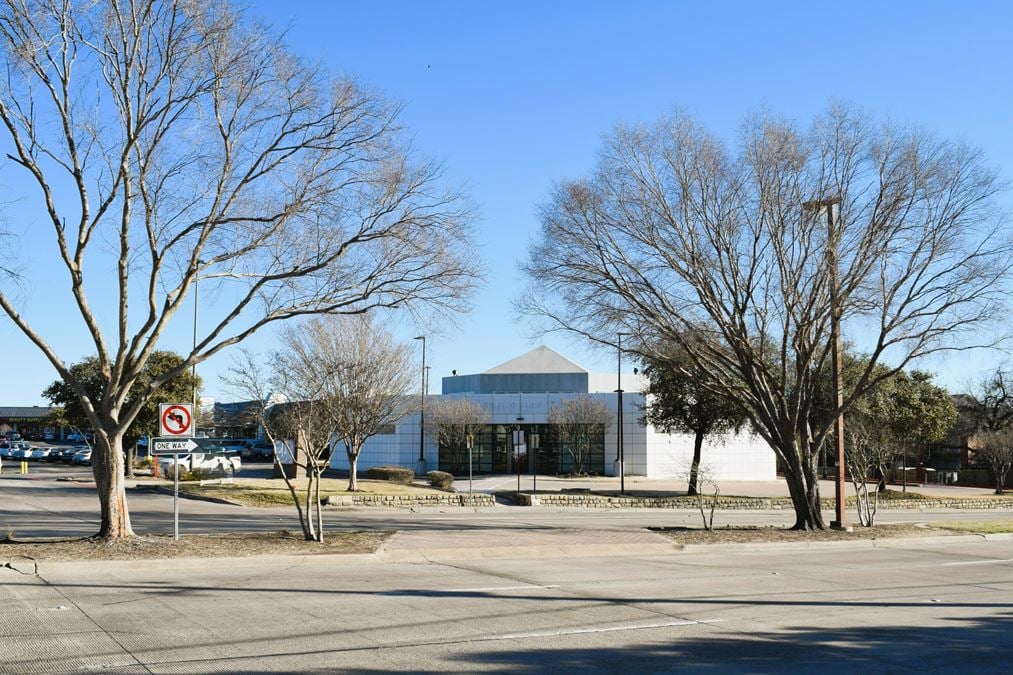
x=519 y=395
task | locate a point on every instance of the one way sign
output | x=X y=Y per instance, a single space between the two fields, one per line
x=171 y=446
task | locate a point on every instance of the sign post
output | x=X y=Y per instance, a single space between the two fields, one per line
x=175 y=421
x=518 y=438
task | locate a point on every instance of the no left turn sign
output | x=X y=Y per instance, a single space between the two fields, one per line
x=175 y=419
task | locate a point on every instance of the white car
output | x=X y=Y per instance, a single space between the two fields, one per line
x=39 y=453
x=82 y=456
x=228 y=464
x=23 y=451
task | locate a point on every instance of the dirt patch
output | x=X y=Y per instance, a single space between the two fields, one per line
x=158 y=547
x=273 y=492
x=755 y=535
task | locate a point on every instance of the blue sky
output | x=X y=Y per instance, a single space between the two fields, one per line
x=511 y=97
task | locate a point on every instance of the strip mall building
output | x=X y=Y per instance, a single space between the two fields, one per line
x=519 y=395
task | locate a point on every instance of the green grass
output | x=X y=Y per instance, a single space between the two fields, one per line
x=977 y=527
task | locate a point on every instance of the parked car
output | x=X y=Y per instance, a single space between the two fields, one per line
x=258 y=451
x=228 y=463
x=82 y=456
x=68 y=456
x=39 y=452
x=7 y=450
x=22 y=451
x=57 y=454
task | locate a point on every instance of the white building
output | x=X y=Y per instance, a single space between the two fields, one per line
x=519 y=394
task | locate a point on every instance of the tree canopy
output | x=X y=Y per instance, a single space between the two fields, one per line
x=735 y=253
x=87 y=372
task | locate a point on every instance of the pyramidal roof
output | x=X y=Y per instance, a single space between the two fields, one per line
x=538 y=360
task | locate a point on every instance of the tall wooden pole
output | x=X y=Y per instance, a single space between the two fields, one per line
x=836 y=352
x=837 y=348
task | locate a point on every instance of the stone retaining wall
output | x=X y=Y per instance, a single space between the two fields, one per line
x=758 y=504
x=411 y=500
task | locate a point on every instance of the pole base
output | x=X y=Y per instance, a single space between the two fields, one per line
x=836 y=525
x=420 y=468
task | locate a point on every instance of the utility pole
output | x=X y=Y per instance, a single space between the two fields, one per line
x=193 y=370
x=620 y=458
x=421 y=468
x=836 y=350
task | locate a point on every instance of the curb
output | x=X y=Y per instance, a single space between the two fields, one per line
x=422 y=555
x=161 y=489
x=255 y=562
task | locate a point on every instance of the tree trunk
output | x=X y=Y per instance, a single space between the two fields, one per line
x=317 y=474
x=804 y=489
x=353 y=479
x=107 y=467
x=694 y=471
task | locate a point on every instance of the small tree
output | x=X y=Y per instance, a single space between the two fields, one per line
x=281 y=421
x=994 y=449
x=707 y=495
x=363 y=377
x=868 y=449
x=455 y=422
x=579 y=423
x=678 y=399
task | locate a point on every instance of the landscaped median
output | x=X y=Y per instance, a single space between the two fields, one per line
x=266 y=492
x=892 y=499
x=159 y=547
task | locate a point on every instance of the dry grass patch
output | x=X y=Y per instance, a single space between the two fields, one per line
x=751 y=535
x=156 y=547
x=978 y=527
x=273 y=492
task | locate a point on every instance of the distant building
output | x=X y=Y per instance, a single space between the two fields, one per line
x=32 y=422
x=519 y=394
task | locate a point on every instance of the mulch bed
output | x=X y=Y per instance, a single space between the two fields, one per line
x=154 y=547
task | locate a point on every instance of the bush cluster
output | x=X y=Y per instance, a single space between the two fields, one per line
x=441 y=480
x=394 y=474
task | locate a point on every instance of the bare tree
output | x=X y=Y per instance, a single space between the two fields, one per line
x=708 y=493
x=455 y=422
x=992 y=402
x=868 y=450
x=173 y=141
x=363 y=377
x=676 y=239
x=580 y=423
x=283 y=423
x=994 y=449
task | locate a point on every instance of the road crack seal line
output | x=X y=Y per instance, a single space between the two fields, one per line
x=12 y=565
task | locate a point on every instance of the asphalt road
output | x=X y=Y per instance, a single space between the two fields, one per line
x=917 y=608
x=42 y=506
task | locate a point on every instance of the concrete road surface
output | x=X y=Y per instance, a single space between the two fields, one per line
x=919 y=607
x=39 y=508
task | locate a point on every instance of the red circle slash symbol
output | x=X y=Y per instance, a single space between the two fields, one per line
x=176 y=420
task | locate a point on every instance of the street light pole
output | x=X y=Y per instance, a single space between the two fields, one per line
x=193 y=369
x=420 y=469
x=620 y=455
x=836 y=349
